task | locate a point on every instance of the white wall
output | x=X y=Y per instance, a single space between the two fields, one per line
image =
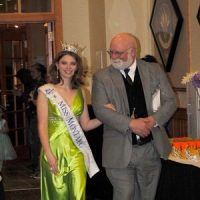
x=194 y=27
x=76 y=24
x=80 y=25
x=120 y=16
x=130 y=16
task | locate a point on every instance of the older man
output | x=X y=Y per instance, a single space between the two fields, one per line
x=134 y=137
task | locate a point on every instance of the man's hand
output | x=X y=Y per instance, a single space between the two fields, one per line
x=140 y=127
x=150 y=121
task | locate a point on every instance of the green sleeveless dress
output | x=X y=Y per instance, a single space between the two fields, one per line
x=70 y=183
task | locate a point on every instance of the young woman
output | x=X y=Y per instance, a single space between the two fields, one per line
x=61 y=108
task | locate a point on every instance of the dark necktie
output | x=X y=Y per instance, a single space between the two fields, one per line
x=128 y=78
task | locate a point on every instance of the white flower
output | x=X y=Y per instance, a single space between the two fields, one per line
x=187 y=78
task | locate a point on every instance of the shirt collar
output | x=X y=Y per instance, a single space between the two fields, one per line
x=132 y=68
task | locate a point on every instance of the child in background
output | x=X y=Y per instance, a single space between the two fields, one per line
x=7 y=151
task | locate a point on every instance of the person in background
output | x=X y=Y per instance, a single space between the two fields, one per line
x=38 y=75
x=62 y=114
x=150 y=58
x=134 y=137
x=2 y=193
x=7 y=151
x=23 y=89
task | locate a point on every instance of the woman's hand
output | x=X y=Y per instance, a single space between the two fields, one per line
x=53 y=167
x=110 y=106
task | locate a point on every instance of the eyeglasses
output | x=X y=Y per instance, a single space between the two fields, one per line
x=117 y=53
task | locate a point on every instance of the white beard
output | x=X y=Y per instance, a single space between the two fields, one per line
x=120 y=64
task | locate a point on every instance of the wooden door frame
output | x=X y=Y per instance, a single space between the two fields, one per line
x=54 y=16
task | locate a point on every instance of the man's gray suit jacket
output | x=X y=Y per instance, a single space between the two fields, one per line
x=108 y=87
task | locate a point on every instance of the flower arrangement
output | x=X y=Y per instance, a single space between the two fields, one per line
x=193 y=77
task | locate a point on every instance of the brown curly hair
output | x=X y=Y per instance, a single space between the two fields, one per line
x=54 y=75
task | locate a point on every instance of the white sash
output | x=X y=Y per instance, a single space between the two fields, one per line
x=73 y=127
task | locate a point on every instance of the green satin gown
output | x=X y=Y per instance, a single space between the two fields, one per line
x=70 y=183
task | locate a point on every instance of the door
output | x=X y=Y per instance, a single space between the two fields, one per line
x=30 y=31
x=13 y=57
x=19 y=49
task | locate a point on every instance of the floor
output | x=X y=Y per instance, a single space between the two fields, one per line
x=18 y=184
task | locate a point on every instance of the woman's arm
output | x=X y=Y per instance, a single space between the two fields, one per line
x=42 y=115
x=86 y=123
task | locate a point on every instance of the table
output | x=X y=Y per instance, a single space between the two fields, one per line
x=178 y=182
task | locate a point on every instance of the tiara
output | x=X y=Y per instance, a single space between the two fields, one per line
x=72 y=48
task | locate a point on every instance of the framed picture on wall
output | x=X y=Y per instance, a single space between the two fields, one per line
x=165 y=23
x=198 y=15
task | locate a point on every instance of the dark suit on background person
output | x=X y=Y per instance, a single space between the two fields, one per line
x=38 y=74
x=2 y=193
x=133 y=168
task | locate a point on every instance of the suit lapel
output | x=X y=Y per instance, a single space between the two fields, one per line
x=119 y=84
x=145 y=78
x=117 y=79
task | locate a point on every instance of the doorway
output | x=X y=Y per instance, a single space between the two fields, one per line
x=21 y=45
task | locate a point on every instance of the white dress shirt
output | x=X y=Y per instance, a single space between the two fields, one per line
x=131 y=72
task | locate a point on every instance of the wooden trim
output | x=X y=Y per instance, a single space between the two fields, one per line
x=19 y=6
x=181 y=113
x=26 y=17
x=29 y=44
x=53 y=3
x=179 y=89
x=54 y=16
x=177 y=126
x=58 y=24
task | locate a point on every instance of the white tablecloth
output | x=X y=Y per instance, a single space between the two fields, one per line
x=184 y=161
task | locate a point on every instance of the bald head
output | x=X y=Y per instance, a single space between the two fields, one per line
x=124 y=41
x=123 y=50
